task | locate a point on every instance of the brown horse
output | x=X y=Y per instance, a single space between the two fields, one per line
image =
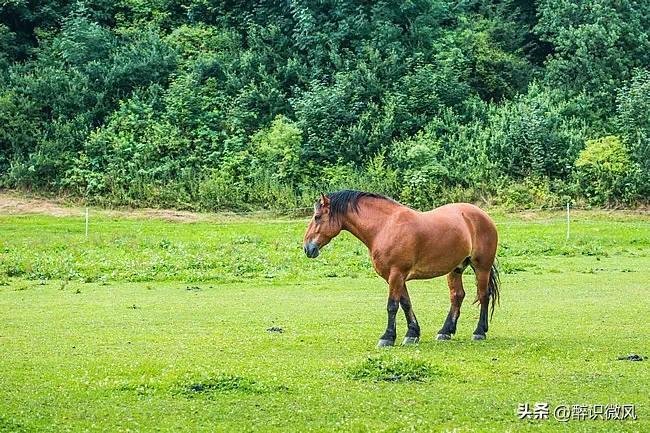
x=405 y=244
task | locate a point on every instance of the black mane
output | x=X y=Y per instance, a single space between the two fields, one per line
x=342 y=201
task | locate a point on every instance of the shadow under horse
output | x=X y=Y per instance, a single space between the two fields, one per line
x=405 y=244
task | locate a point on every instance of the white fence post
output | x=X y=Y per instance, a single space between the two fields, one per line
x=568 y=222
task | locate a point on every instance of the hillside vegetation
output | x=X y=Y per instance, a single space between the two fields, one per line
x=249 y=105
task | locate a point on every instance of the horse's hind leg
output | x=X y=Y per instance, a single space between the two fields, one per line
x=482 y=294
x=456 y=296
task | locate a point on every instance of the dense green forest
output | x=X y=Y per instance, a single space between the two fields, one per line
x=240 y=105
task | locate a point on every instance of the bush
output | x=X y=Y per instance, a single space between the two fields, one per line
x=603 y=171
x=535 y=134
x=533 y=193
x=277 y=151
x=220 y=191
x=633 y=121
x=423 y=176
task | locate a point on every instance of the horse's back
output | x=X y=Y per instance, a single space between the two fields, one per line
x=471 y=214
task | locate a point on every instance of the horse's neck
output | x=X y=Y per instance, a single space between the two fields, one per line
x=369 y=220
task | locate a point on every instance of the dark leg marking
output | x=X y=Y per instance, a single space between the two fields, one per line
x=449 y=327
x=413 y=333
x=482 y=326
x=388 y=338
x=456 y=296
x=482 y=281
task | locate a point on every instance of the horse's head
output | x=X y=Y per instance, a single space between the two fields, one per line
x=321 y=229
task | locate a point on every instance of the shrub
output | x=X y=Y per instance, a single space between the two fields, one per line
x=533 y=193
x=602 y=169
x=633 y=121
x=277 y=150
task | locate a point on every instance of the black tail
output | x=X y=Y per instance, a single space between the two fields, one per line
x=493 y=287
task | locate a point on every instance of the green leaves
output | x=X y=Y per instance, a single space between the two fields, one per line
x=597 y=44
x=602 y=168
x=242 y=105
x=278 y=152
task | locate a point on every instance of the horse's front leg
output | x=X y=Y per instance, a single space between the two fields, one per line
x=413 y=333
x=395 y=289
x=388 y=337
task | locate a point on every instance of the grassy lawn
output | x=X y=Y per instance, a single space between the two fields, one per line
x=150 y=325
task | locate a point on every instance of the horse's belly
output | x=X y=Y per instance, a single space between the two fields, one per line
x=425 y=275
x=431 y=267
x=430 y=270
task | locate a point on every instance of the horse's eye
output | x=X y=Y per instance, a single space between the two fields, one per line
x=317 y=218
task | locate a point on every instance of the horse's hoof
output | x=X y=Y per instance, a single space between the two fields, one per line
x=408 y=341
x=385 y=343
x=478 y=337
x=443 y=337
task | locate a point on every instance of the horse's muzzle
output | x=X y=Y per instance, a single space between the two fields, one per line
x=311 y=250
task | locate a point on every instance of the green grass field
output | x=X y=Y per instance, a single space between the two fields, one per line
x=150 y=325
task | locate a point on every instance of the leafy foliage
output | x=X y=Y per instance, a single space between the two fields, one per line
x=603 y=166
x=634 y=123
x=246 y=105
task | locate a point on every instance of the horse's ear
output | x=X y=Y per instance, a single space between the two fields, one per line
x=324 y=200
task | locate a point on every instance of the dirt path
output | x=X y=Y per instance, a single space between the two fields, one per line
x=16 y=204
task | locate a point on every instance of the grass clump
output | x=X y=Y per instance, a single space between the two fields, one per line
x=223 y=384
x=390 y=368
